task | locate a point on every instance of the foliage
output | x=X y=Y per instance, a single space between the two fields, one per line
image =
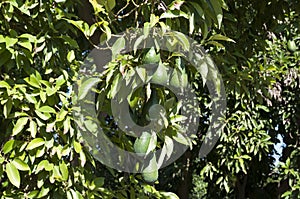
x=261 y=94
x=43 y=44
x=255 y=45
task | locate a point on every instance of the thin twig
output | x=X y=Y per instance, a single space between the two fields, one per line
x=123 y=8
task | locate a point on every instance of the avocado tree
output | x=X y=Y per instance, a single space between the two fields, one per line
x=43 y=45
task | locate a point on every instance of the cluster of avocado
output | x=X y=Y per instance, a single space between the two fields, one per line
x=141 y=144
x=161 y=76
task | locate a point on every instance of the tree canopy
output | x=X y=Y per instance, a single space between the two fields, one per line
x=254 y=44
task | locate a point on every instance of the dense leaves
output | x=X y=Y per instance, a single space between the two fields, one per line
x=256 y=45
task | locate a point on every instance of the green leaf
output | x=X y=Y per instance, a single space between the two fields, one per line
x=169 y=195
x=82 y=158
x=20 y=164
x=203 y=68
x=44 y=164
x=111 y=4
x=4 y=84
x=35 y=143
x=216 y=44
x=61 y=115
x=117 y=47
x=169 y=146
x=220 y=38
x=30 y=98
x=64 y=170
x=86 y=86
x=44 y=116
x=13 y=174
x=60 y=1
x=99 y=182
x=43 y=96
x=10 y=41
x=19 y=126
x=29 y=37
x=115 y=87
x=137 y=43
x=107 y=30
x=76 y=194
x=32 y=128
x=181 y=139
x=142 y=73
x=174 y=14
x=219 y=180
x=264 y=108
x=81 y=25
x=33 y=194
x=8 y=146
x=226 y=186
x=73 y=43
x=7 y=108
x=292 y=45
x=97 y=6
x=43 y=192
x=5 y=57
x=152 y=143
x=33 y=81
x=69 y=194
x=1 y=162
x=71 y=56
x=60 y=81
x=77 y=147
x=218 y=11
x=91 y=126
x=183 y=39
x=26 y=44
x=46 y=109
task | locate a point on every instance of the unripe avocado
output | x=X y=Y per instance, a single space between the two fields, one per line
x=150 y=173
x=141 y=144
x=179 y=79
x=161 y=75
x=151 y=57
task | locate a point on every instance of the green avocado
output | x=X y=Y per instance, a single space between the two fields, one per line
x=161 y=75
x=150 y=173
x=179 y=79
x=141 y=144
x=151 y=57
